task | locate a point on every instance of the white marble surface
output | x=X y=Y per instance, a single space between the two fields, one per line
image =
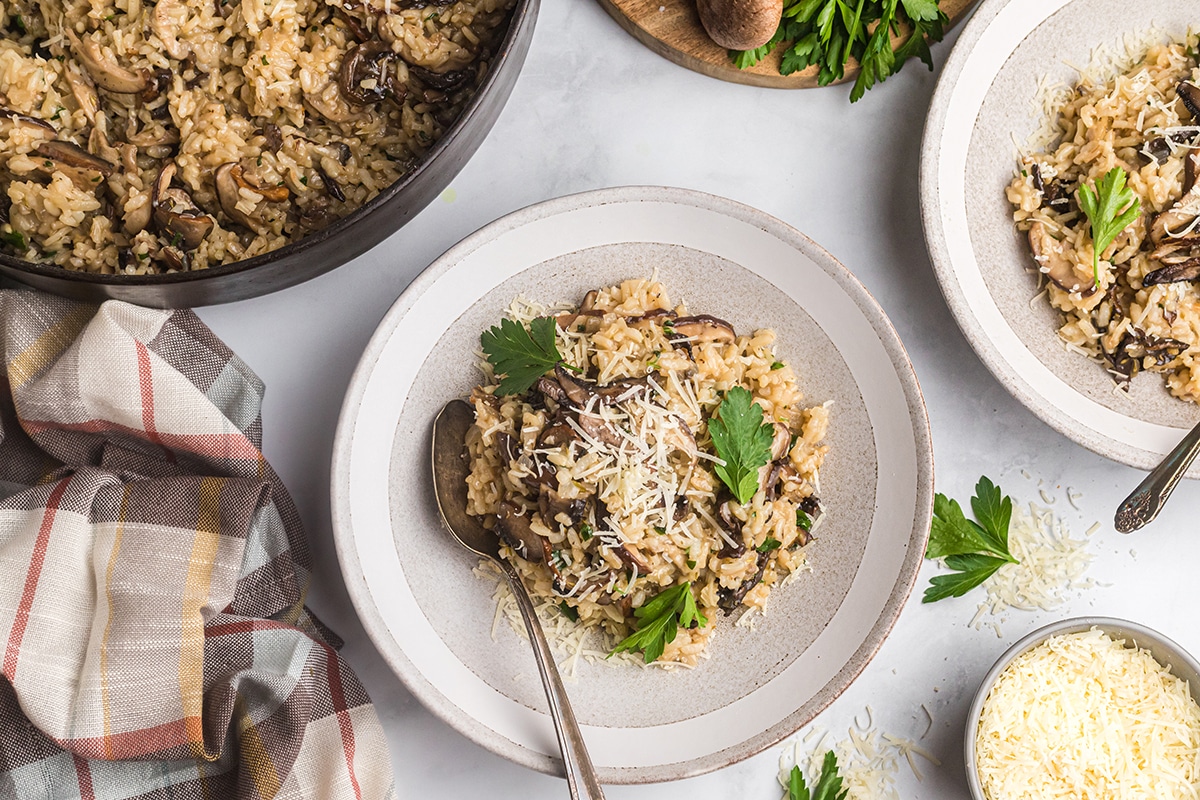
x=593 y=108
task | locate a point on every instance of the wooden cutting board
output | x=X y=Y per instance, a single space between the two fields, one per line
x=672 y=29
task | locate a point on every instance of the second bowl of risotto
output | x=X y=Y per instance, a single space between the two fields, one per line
x=1057 y=189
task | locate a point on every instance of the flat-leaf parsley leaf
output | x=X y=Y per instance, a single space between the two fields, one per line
x=829 y=784
x=1103 y=210
x=521 y=356
x=742 y=441
x=660 y=619
x=974 y=549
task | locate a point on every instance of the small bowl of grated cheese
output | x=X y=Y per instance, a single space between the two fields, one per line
x=1085 y=708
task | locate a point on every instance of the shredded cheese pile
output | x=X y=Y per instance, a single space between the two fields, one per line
x=1052 y=562
x=1083 y=716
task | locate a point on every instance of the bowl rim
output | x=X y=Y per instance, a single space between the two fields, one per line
x=1127 y=629
x=522 y=14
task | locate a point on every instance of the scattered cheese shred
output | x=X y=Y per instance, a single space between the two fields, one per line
x=1052 y=563
x=1084 y=716
x=867 y=760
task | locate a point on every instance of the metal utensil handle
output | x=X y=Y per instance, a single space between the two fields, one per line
x=581 y=776
x=1148 y=498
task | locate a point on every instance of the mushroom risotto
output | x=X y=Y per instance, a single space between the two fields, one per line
x=648 y=471
x=1135 y=305
x=144 y=137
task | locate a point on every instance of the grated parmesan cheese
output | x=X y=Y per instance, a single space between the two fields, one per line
x=1052 y=563
x=1084 y=716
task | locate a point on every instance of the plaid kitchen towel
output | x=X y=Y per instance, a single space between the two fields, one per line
x=154 y=638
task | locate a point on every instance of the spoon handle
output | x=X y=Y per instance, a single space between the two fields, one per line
x=1148 y=498
x=581 y=776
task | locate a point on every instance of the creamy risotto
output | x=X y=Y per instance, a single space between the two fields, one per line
x=1141 y=308
x=602 y=478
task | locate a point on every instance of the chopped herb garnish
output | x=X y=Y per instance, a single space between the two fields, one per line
x=304 y=180
x=57 y=113
x=19 y=21
x=264 y=61
x=742 y=440
x=176 y=238
x=585 y=531
x=776 y=365
x=1103 y=208
x=258 y=161
x=568 y=612
x=803 y=520
x=691 y=564
x=973 y=548
x=521 y=356
x=15 y=239
x=769 y=545
x=659 y=621
x=660 y=530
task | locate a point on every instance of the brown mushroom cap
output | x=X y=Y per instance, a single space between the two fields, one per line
x=704 y=328
x=1053 y=262
x=103 y=68
x=72 y=155
x=1189 y=94
x=11 y=119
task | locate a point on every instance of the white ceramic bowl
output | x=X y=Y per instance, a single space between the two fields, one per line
x=983 y=107
x=1165 y=651
x=432 y=619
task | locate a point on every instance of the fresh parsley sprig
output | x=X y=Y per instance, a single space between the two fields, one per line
x=1103 y=208
x=827 y=33
x=829 y=784
x=974 y=549
x=522 y=356
x=742 y=440
x=660 y=619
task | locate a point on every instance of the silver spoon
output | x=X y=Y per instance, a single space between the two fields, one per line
x=450 y=469
x=1143 y=505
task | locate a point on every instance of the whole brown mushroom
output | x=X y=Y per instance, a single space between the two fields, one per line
x=740 y=24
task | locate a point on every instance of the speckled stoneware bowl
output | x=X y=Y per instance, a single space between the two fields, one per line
x=1166 y=652
x=432 y=619
x=983 y=107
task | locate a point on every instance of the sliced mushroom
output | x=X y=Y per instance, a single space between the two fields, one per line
x=174 y=213
x=1178 y=218
x=165 y=21
x=1176 y=251
x=1189 y=95
x=1173 y=273
x=72 y=155
x=1053 y=262
x=704 y=328
x=551 y=389
x=175 y=258
x=651 y=319
x=599 y=430
x=230 y=181
x=782 y=442
x=682 y=439
x=331 y=186
x=368 y=74
x=578 y=390
x=103 y=68
x=558 y=432
x=631 y=559
x=82 y=90
x=10 y=120
x=444 y=81
x=515 y=530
